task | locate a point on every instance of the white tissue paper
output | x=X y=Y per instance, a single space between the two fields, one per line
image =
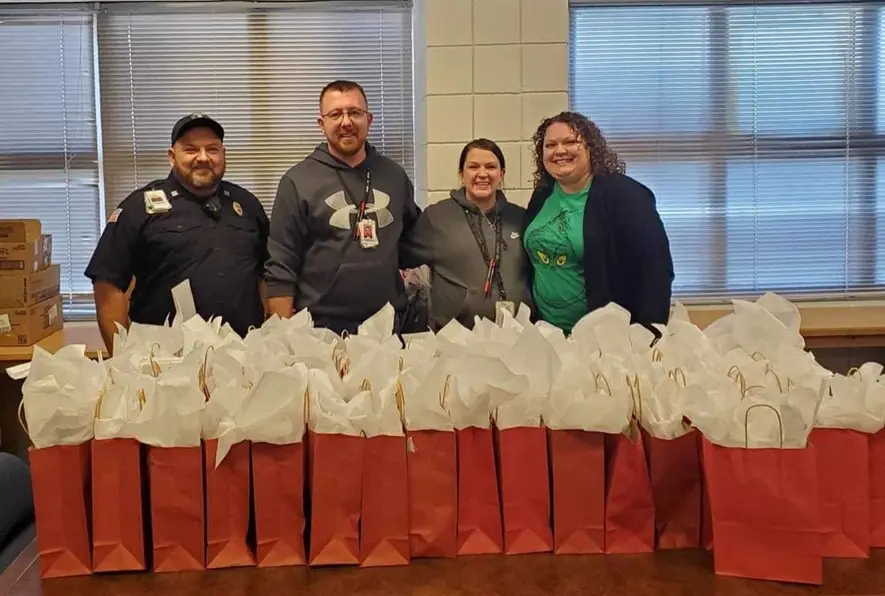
x=373 y=355
x=142 y=340
x=477 y=385
x=682 y=344
x=272 y=412
x=275 y=411
x=660 y=405
x=172 y=414
x=797 y=367
x=605 y=330
x=581 y=399
x=425 y=389
x=183 y=300
x=775 y=419
x=60 y=396
x=218 y=415
x=385 y=417
x=855 y=402
x=198 y=333
x=420 y=348
x=380 y=325
x=121 y=403
x=120 y=337
x=523 y=315
x=486 y=331
x=534 y=366
x=230 y=365
x=758 y=328
x=453 y=338
x=329 y=412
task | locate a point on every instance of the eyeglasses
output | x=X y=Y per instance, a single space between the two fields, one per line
x=352 y=113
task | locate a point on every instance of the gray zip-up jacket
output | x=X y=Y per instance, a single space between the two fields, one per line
x=443 y=240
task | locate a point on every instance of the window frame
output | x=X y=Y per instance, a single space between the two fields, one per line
x=79 y=306
x=866 y=144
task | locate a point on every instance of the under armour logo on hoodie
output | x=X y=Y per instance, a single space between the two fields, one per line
x=343 y=210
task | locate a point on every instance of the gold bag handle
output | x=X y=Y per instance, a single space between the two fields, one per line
x=747 y=422
x=605 y=384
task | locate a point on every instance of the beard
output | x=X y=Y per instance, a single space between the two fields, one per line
x=202 y=178
x=349 y=145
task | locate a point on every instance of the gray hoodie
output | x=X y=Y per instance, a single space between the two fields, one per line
x=443 y=240
x=313 y=254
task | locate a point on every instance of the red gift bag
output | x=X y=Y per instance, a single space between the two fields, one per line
x=525 y=490
x=577 y=465
x=629 y=505
x=877 y=489
x=117 y=520
x=479 y=509
x=675 y=472
x=764 y=507
x=336 y=476
x=433 y=493
x=178 y=527
x=384 y=531
x=844 y=469
x=278 y=488
x=227 y=507
x=60 y=481
x=706 y=516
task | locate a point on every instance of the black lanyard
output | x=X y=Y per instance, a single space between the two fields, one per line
x=492 y=262
x=361 y=206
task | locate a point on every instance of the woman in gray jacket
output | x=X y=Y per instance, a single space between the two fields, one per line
x=471 y=242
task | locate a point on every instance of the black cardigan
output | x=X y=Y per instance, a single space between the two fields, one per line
x=626 y=251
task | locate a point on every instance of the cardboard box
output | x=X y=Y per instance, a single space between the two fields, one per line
x=23 y=247
x=28 y=325
x=30 y=288
x=20 y=230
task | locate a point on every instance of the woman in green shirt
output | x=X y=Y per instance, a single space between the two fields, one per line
x=592 y=234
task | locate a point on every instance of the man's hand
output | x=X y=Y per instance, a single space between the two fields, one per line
x=282 y=306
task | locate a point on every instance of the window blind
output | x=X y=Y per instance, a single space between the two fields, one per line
x=258 y=69
x=759 y=126
x=48 y=146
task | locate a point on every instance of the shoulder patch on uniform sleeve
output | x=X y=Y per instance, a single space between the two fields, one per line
x=115 y=215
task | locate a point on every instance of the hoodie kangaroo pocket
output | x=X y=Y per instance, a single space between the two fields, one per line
x=358 y=290
x=450 y=300
x=476 y=304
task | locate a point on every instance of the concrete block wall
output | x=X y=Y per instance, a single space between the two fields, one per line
x=486 y=68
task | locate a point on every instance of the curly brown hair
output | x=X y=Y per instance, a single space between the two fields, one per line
x=603 y=159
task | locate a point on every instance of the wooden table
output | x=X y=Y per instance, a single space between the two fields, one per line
x=669 y=573
x=12 y=437
x=73 y=333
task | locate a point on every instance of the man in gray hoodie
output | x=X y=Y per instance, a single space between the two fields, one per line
x=337 y=221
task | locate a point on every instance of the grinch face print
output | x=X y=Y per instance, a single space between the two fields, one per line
x=559 y=280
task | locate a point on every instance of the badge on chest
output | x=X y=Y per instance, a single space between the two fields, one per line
x=367 y=232
x=155 y=201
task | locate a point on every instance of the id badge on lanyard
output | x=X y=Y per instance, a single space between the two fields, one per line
x=501 y=307
x=366 y=229
x=368 y=234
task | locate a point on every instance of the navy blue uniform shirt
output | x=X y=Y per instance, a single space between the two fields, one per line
x=223 y=259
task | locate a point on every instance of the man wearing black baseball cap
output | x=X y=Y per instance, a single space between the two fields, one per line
x=191 y=225
x=193 y=121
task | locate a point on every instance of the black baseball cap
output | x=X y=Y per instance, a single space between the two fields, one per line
x=193 y=120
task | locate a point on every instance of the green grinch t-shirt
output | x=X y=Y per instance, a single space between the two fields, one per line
x=554 y=242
